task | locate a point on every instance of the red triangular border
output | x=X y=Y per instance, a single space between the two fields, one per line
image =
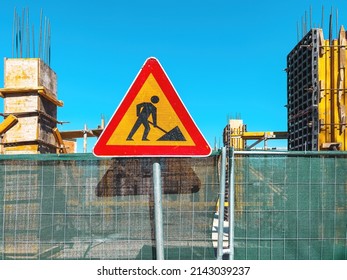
x=201 y=147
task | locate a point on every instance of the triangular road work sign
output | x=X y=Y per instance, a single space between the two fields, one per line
x=151 y=120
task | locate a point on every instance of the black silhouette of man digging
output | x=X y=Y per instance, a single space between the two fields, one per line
x=143 y=112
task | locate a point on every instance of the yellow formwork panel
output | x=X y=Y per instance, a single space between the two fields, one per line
x=333 y=92
x=332 y=99
x=324 y=106
x=341 y=100
x=237 y=128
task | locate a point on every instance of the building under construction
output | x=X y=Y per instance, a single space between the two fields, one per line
x=78 y=206
x=316 y=92
x=316 y=101
x=316 y=98
x=235 y=135
x=31 y=109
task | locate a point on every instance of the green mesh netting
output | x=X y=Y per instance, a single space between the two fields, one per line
x=291 y=206
x=81 y=207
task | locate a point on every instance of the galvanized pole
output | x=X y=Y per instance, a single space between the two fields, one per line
x=158 y=212
x=231 y=205
x=221 y=206
x=85 y=138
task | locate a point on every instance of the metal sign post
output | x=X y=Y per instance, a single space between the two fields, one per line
x=152 y=121
x=158 y=211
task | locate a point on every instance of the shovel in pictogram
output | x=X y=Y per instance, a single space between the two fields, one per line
x=174 y=134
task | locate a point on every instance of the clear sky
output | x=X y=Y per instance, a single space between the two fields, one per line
x=225 y=58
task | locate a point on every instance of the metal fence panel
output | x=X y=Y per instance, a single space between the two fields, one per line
x=81 y=207
x=290 y=206
x=287 y=206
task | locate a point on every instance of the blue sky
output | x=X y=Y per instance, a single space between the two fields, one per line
x=225 y=58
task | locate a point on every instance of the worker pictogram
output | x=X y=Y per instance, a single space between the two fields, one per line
x=143 y=112
x=151 y=121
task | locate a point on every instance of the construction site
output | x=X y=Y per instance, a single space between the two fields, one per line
x=58 y=204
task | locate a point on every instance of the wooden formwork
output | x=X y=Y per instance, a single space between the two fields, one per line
x=30 y=94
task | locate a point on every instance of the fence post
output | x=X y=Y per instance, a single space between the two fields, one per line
x=231 y=204
x=158 y=211
x=221 y=206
